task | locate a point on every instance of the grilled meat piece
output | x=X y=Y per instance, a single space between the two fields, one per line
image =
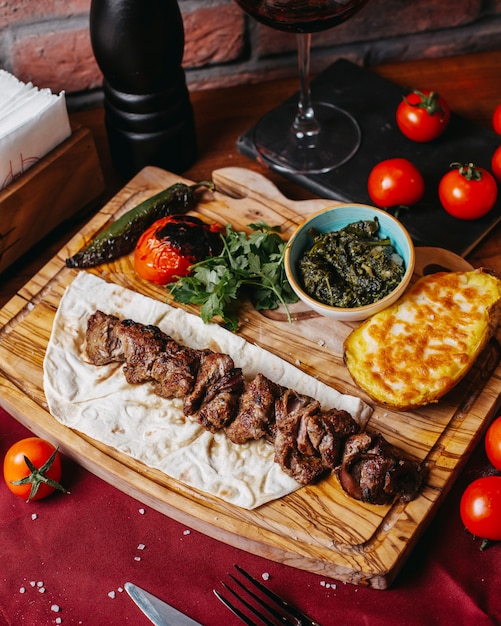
x=148 y=354
x=102 y=345
x=293 y=452
x=256 y=411
x=141 y=345
x=374 y=471
x=220 y=404
x=213 y=367
x=326 y=433
x=309 y=441
x=174 y=372
x=214 y=397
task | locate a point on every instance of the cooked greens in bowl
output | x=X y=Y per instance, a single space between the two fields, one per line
x=352 y=266
x=350 y=261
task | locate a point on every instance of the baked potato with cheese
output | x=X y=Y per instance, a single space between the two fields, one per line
x=416 y=350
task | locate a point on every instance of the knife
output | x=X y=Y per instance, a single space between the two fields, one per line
x=157 y=611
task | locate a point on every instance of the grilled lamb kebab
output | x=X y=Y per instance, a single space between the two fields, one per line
x=308 y=441
x=374 y=471
x=216 y=391
x=208 y=381
x=148 y=354
x=255 y=417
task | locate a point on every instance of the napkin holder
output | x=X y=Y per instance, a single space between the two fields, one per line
x=53 y=190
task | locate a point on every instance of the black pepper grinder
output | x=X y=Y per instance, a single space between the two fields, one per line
x=139 y=46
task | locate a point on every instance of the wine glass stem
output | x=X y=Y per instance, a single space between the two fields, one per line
x=305 y=125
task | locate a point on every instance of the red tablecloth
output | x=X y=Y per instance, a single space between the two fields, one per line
x=75 y=552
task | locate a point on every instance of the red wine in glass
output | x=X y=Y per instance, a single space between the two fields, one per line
x=313 y=137
x=301 y=16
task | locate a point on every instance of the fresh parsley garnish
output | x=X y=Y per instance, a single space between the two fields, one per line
x=249 y=265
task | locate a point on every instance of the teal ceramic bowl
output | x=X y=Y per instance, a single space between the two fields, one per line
x=335 y=218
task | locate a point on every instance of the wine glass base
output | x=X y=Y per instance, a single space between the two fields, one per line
x=337 y=141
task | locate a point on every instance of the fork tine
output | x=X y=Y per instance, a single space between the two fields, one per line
x=264 y=604
x=263 y=620
x=233 y=609
x=302 y=619
x=296 y=617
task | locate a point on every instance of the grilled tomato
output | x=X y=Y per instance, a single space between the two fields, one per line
x=171 y=245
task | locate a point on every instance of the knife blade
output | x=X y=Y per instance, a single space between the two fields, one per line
x=157 y=611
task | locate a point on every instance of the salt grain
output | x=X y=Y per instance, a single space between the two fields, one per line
x=111 y=595
x=41 y=590
x=32 y=583
x=58 y=620
x=265 y=576
x=186 y=532
x=137 y=558
x=39 y=583
x=55 y=608
x=22 y=590
x=142 y=511
x=327 y=585
x=141 y=546
x=34 y=516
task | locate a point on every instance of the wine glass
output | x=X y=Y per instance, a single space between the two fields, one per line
x=307 y=137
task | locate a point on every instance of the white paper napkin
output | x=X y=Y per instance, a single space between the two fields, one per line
x=32 y=123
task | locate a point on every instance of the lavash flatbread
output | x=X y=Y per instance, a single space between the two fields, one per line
x=97 y=400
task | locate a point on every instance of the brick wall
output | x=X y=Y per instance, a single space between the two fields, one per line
x=47 y=41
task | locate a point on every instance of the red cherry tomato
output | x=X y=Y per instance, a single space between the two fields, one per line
x=496 y=163
x=171 y=245
x=493 y=443
x=467 y=192
x=42 y=478
x=496 y=119
x=395 y=182
x=423 y=115
x=480 y=508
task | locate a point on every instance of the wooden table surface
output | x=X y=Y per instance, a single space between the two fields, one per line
x=471 y=84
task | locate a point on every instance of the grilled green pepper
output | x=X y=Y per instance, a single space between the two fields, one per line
x=121 y=236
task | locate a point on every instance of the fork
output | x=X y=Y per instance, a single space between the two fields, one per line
x=280 y=609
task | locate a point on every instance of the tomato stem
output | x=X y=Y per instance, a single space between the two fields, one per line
x=486 y=543
x=38 y=476
x=469 y=171
x=397 y=210
x=427 y=102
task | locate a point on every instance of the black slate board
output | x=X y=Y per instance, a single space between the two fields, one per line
x=373 y=101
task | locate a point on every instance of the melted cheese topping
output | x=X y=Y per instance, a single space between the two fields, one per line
x=416 y=350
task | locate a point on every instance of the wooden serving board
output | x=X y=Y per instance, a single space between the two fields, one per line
x=317 y=528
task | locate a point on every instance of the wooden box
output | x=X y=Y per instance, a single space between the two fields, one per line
x=47 y=194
